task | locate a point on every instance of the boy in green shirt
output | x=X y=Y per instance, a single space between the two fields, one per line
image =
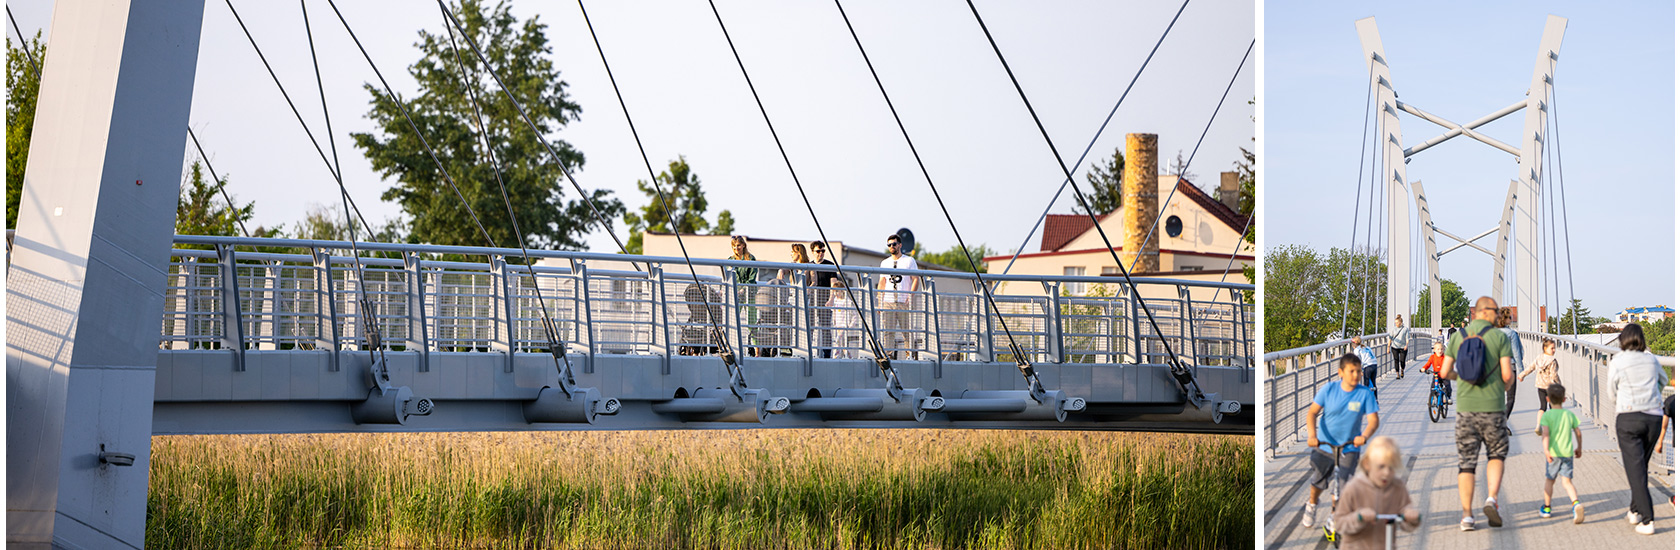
x=1562 y=432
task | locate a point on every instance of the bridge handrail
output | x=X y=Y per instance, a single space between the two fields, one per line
x=1290 y=385
x=294 y=300
x=214 y=240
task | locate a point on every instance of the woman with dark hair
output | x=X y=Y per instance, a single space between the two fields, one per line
x=1399 y=338
x=1637 y=379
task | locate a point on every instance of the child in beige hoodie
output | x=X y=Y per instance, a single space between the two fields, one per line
x=1375 y=490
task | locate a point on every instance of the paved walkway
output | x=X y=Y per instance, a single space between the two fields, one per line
x=1431 y=475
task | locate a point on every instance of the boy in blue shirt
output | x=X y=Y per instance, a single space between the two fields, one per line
x=1343 y=413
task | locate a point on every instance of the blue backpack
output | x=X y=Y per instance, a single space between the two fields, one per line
x=1471 y=362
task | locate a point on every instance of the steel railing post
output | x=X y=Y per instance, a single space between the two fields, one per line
x=1053 y=349
x=933 y=322
x=504 y=311
x=416 y=295
x=326 y=337
x=233 y=326
x=983 y=323
x=657 y=274
x=581 y=293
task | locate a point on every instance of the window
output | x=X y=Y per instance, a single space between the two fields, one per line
x=1075 y=289
x=1175 y=226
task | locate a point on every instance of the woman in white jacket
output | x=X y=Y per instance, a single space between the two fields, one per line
x=1637 y=380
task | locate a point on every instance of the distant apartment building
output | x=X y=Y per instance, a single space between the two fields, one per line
x=1649 y=314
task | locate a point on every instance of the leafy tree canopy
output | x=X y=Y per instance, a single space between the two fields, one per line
x=1106 y=185
x=23 y=85
x=1455 y=306
x=682 y=189
x=518 y=52
x=955 y=259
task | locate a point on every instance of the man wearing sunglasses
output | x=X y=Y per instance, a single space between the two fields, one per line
x=895 y=300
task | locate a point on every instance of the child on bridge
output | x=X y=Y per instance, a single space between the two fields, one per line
x=1376 y=490
x=1562 y=432
x=1335 y=419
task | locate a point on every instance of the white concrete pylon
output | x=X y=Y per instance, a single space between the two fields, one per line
x=85 y=292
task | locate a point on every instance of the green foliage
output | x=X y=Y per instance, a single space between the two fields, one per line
x=1455 y=306
x=955 y=259
x=200 y=209
x=1107 y=191
x=1245 y=206
x=23 y=86
x=1659 y=336
x=519 y=53
x=682 y=190
x=1576 y=320
x=1308 y=296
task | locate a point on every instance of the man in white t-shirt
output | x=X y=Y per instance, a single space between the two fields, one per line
x=895 y=314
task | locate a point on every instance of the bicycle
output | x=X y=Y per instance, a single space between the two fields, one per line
x=1437 y=400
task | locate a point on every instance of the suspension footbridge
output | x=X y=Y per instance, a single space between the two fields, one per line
x=119 y=330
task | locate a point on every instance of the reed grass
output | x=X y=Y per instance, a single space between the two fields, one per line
x=703 y=489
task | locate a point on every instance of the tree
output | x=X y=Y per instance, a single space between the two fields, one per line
x=23 y=86
x=1659 y=336
x=200 y=210
x=955 y=259
x=444 y=112
x=682 y=190
x=1107 y=187
x=1181 y=168
x=1455 y=306
x=1309 y=296
x=1576 y=320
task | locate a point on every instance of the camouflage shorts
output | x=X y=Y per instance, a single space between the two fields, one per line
x=1475 y=429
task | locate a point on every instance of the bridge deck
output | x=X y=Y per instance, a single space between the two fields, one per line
x=1431 y=475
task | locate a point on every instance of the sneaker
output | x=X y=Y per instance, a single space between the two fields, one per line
x=1309 y=515
x=1580 y=513
x=1633 y=518
x=1467 y=524
x=1491 y=509
x=1545 y=511
x=1647 y=528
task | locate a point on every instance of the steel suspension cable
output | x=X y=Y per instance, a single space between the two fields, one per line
x=1366 y=260
x=1569 y=258
x=1359 y=189
x=557 y=352
x=1021 y=360
x=365 y=305
x=403 y=107
x=717 y=330
x=1181 y=374
x=299 y=115
x=863 y=318
x=1185 y=168
x=1240 y=242
x=606 y=224
x=1093 y=142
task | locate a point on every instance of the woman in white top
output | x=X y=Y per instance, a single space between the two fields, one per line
x=1637 y=380
x=1398 y=338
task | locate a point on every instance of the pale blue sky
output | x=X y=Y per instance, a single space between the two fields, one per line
x=1462 y=60
x=1073 y=58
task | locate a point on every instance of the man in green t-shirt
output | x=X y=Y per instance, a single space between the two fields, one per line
x=1481 y=412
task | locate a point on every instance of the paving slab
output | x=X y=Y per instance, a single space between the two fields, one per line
x=1431 y=474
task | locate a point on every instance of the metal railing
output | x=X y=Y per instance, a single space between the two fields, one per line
x=1295 y=374
x=297 y=294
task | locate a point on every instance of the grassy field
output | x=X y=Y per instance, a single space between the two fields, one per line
x=704 y=489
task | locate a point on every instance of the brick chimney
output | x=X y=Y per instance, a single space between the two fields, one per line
x=1138 y=213
x=1229 y=194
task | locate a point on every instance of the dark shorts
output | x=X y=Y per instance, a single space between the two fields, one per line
x=1475 y=430
x=1321 y=467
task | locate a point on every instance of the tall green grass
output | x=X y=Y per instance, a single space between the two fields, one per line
x=704 y=489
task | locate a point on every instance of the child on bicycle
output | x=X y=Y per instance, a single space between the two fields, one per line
x=1376 y=490
x=1438 y=356
x=1343 y=414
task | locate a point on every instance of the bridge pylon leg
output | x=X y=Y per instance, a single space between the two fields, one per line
x=87 y=277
